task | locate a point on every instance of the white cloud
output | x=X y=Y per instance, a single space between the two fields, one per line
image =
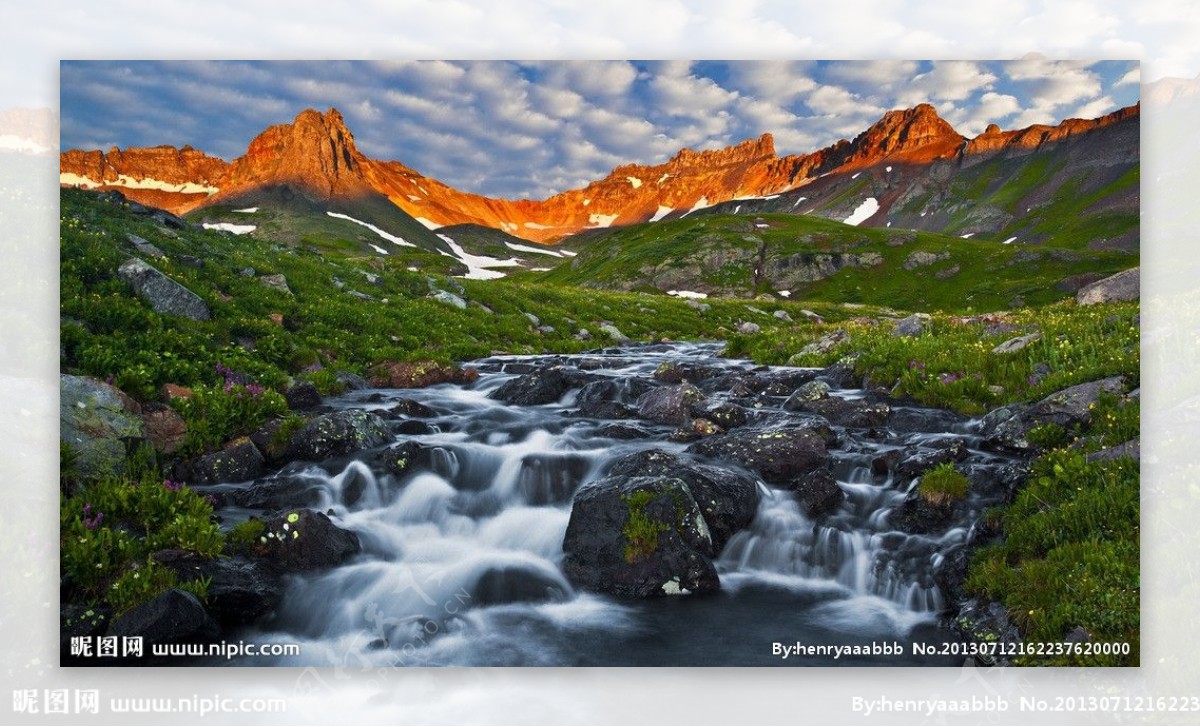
x=781 y=81
x=678 y=92
x=837 y=101
x=1133 y=76
x=879 y=74
x=947 y=81
x=1096 y=108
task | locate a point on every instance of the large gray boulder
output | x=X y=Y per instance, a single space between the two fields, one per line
x=240 y=590
x=163 y=294
x=727 y=498
x=638 y=537
x=1116 y=288
x=1008 y=428
x=173 y=617
x=97 y=421
x=337 y=434
x=238 y=462
x=304 y=540
x=777 y=455
x=669 y=404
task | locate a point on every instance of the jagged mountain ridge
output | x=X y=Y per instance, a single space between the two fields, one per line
x=315 y=157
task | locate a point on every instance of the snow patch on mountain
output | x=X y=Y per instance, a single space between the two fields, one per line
x=478 y=266
x=534 y=250
x=382 y=233
x=248 y=210
x=662 y=212
x=598 y=220
x=230 y=227
x=700 y=204
x=429 y=223
x=861 y=213
x=377 y=248
x=687 y=294
x=74 y=180
x=634 y=181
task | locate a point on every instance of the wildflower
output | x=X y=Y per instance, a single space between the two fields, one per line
x=91 y=523
x=172 y=486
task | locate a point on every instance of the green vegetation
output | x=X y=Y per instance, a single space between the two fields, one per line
x=641 y=531
x=1069 y=553
x=952 y=364
x=725 y=254
x=943 y=485
x=1069 y=557
x=111 y=527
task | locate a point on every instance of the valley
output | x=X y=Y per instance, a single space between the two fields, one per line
x=888 y=389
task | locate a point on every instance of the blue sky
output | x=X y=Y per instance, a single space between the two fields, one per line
x=529 y=129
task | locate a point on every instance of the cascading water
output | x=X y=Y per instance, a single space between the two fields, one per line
x=461 y=559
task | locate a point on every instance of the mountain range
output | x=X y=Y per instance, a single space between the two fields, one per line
x=1074 y=184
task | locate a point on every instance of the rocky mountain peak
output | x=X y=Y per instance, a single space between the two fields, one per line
x=315 y=154
x=918 y=134
x=750 y=150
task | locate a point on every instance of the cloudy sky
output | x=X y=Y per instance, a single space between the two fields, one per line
x=529 y=129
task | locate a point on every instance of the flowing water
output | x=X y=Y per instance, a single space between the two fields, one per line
x=460 y=562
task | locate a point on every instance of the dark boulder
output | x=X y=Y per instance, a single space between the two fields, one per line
x=728 y=499
x=809 y=392
x=623 y=431
x=240 y=590
x=283 y=490
x=951 y=572
x=337 y=434
x=302 y=396
x=638 y=537
x=1132 y=448
x=840 y=376
x=858 y=413
x=543 y=386
x=777 y=455
x=240 y=461
x=693 y=430
x=413 y=427
x=918 y=464
x=411 y=408
x=676 y=372
x=604 y=399
x=270 y=442
x=174 y=616
x=817 y=492
x=920 y=515
x=405 y=457
x=726 y=415
x=303 y=540
x=669 y=404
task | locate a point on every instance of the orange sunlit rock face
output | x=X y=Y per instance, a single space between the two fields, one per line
x=315 y=156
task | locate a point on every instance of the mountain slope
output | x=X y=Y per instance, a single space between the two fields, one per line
x=812 y=259
x=1074 y=185
x=919 y=172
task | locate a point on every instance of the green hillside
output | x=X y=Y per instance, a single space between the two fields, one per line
x=816 y=259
